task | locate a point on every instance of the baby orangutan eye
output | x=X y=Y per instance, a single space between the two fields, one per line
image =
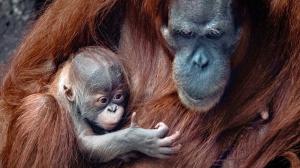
x=118 y=98
x=102 y=101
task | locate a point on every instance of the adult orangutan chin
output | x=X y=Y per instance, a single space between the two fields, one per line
x=239 y=110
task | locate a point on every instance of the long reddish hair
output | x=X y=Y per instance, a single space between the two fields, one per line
x=265 y=75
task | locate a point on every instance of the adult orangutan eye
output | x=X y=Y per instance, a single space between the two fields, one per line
x=184 y=34
x=214 y=34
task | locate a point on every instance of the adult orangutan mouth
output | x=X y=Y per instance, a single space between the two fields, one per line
x=202 y=99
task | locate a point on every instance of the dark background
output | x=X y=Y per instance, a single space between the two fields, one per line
x=16 y=16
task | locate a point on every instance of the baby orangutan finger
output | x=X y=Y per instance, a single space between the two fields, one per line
x=162 y=129
x=170 y=150
x=168 y=141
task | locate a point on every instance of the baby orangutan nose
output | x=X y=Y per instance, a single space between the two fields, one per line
x=113 y=108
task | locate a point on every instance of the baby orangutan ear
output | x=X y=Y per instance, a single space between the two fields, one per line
x=69 y=93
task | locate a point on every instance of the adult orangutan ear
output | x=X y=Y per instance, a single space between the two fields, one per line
x=165 y=33
x=69 y=93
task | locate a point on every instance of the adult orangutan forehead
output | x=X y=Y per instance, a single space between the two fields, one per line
x=198 y=11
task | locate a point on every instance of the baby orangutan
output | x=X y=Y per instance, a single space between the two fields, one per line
x=92 y=87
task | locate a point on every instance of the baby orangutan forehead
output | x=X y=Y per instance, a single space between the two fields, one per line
x=97 y=72
x=85 y=65
x=105 y=79
x=116 y=75
x=99 y=81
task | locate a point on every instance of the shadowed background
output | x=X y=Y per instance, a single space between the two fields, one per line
x=15 y=18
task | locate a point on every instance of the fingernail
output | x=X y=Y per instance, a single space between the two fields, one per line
x=178 y=147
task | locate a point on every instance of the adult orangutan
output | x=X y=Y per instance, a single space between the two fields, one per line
x=239 y=110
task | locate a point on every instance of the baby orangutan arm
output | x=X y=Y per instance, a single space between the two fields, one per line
x=152 y=142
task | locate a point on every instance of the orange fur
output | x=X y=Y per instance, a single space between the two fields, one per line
x=266 y=73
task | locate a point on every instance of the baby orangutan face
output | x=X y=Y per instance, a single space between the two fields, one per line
x=108 y=108
x=105 y=98
x=101 y=93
